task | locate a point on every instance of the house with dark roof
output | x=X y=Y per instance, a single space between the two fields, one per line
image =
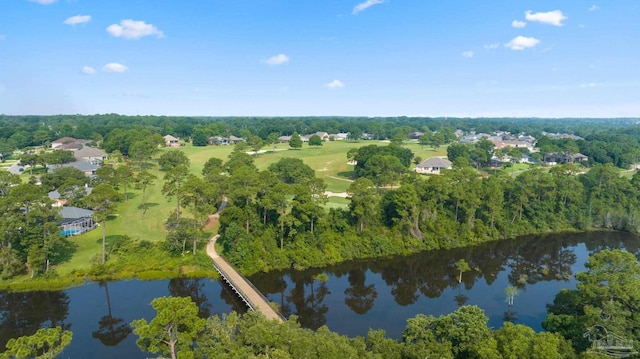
x=433 y=165
x=552 y=159
x=76 y=221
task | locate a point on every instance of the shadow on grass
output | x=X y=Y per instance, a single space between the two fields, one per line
x=346 y=174
x=112 y=240
x=145 y=206
x=130 y=195
x=65 y=251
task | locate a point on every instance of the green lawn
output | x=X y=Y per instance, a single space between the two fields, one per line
x=329 y=162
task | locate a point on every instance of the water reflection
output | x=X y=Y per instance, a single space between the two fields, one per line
x=24 y=313
x=307 y=296
x=111 y=330
x=359 y=297
x=194 y=288
x=432 y=276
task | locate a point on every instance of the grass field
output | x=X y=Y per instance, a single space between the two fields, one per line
x=329 y=162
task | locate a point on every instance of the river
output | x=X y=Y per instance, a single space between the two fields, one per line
x=349 y=298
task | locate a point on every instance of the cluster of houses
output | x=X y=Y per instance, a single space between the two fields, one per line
x=75 y=220
x=87 y=159
x=502 y=140
x=324 y=136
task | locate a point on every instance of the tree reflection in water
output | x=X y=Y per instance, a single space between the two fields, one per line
x=309 y=308
x=359 y=297
x=24 y=313
x=404 y=280
x=193 y=288
x=111 y=330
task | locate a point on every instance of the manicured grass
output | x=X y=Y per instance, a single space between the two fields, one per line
x=329 y=162
x=337 y=202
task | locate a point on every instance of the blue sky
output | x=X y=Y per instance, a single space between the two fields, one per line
x=324 y=57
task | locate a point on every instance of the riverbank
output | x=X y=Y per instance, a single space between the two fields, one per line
x=156 y=264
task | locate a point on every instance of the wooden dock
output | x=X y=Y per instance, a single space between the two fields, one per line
x=249 y=294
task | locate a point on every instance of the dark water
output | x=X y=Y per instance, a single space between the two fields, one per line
x=384 y=293
x=355 y=296
x=99 y=314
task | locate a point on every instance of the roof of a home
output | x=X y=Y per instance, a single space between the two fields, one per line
x=75 y=212
x=81 y=165
x=435 y=162
x=87 y=151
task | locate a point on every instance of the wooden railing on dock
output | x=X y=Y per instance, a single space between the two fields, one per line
x=250 y=295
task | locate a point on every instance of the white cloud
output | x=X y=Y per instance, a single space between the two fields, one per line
x=88 y=70
x=277 y=59
x=492 y=46
x=522 y=42
x=78 y=19
x=555 y=17
x=114 y=67
x=335 y=84
x=594 y=8
x=590 y=85
x=132 y=29
x=467 y=54
x=44 y=2
x=518 y=24
x=365 y=5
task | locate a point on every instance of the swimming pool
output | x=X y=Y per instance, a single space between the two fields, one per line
x=70 y=232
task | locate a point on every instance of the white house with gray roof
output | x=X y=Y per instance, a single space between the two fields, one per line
x=433 y=165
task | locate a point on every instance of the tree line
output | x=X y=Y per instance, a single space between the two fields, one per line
x=276 y=218
x=614 y=141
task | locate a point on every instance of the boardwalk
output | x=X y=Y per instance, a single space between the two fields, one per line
x=248 y=293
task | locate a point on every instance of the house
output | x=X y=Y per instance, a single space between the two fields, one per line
x=89 y=168
x=68 y=143
x=90 y=154
x=323 y=135
x=415 y=135
x=232 y=140
x=284 y=139
x=57 y=199
x=433 y=165
x=217 y=141
x=171 y=141
x=512 y=144
x=474 y=137
x=76 y=221
x=341 y=136
x=551 y=159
